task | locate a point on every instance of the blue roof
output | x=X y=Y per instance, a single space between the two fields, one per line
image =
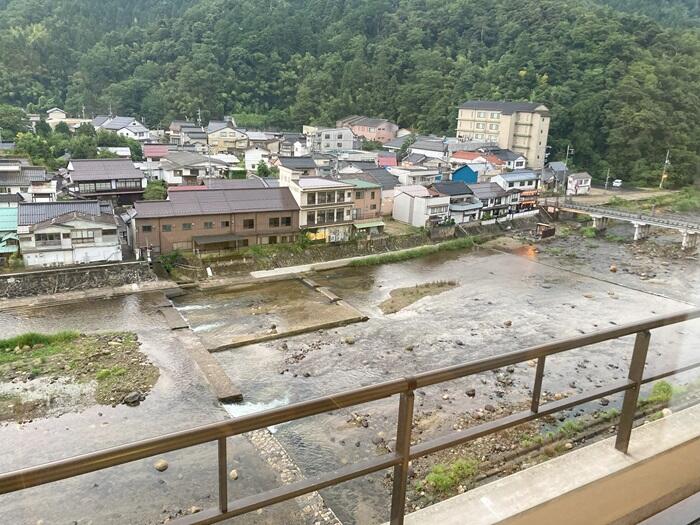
x=8 y=219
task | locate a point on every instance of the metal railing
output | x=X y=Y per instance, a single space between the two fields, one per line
x=404 y=451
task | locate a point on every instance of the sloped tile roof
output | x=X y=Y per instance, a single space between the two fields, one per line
x=103 y=169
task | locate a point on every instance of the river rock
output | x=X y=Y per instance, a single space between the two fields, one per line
x=233 y=475
x=604 y=401
x=161 y=465
x=613 y=268
x=471 y=392
x=568 y=446
x=194 y=509
x=133 y=399
x=666 y=412
x=508 y=323
x=489 y=408
x=349 y=340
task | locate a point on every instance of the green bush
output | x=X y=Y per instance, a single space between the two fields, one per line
x=34 y=338
x=589 y=232
x=662 y=392
x=443 y=479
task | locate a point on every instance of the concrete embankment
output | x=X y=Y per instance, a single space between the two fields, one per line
x=73 y=279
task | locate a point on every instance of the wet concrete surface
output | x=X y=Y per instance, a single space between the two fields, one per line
x=135 y=493
x=545 y=296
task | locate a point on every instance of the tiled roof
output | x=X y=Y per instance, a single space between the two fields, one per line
x=487 y=190
x=414 y=191
x=185 y=203
x=155 y=151
x=520 y=175
x=13 y=178
x=34 y=212
x=103 y=169
x=297 y=163
x=385 y=179
x=430 y=145
x=317 y=182
x=362 y=184
x=452 y=188
x=10 y=197
x=218 y=125
x=35 y=173
x=506 y=108
x=8 y=219
x=234 y=184
x=179 y=159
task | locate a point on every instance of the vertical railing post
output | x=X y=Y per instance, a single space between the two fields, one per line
x=403 y=448
x=537 y=387
x=629 y=404
x=223 y=477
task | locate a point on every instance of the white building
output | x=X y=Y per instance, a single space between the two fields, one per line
x=294 y=168
x=411 y=176
x=420 y=206
x=578 y=183
x=186 y=167
x=124 y=126
x=333 y=139
x=326 y=207
x=254 y=156
x=67 y=232
x=31 y=183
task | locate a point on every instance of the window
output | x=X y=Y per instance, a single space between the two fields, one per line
x=48 y=237
x=286 y=221
x=208 y=225
x=340 y=136
x=92 y=187
x=248 y=224
x=480 y=125
x=274 y=222
x=83 y=236
x=479 y=136
x=23 y=189
x=310 y=218
x=225 y=224
x=493 y=126
x=109 y=232
x=146 y=228
x=283 y=239
x=371 y=195
x=372 y=206
x=186 y=225
x=339 y=144
x=494 y=115
x=66 y=235
x=167 y=228
x=481 y=114
x=338 y=215
x=129 y=184
x=349 y=195
x=359 y=194
x=272 y=239
x=311 y=198
x=243 y=242
x=511 y=184
x=327 y=136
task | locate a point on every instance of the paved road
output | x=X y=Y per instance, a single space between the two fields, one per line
x=601 y=196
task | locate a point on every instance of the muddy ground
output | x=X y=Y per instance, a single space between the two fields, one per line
x=400 y=298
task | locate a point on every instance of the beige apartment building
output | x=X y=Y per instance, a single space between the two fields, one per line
x=519 y=126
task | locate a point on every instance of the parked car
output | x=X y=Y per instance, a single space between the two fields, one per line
x=617 y=183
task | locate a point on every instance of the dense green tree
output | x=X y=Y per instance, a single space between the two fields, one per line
x=621 y=77
x=42 y=128
x=156 y=190
x=12 y=121
x=62 y=129
x=263 y=170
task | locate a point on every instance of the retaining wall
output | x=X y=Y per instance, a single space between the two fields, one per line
x=87 y=277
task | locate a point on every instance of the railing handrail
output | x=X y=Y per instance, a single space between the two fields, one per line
x=85 y=463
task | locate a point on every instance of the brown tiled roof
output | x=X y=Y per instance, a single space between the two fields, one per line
x=103 y=169
x=184 y=203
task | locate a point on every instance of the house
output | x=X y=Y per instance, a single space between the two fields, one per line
x=254 y=155
x=326 y=207
x=124 y=126
x=465 y=174
x=293 y=145
x=194 y=136
x=519 y=126
x=215 y=219
x=526 y=182
x=116 y=180
x=31 y=183
x=430 y=147
x=223 y=137
x=175 y=130
x=370 y=129
x=494 y=198
x=185 y=167
x=554 y=175
x=333 y=139
x=367 y=210
x=464 y=206
x=486 y=165
x=420 y=206
x=411 y=176
x=10 y=200
x=9 y=241
x=386 y=158
x=578 y=183
x=56 y=115
x=67 y=232
x=388 y=183
x=237 y=184
x=511 y=159
x=294 y=168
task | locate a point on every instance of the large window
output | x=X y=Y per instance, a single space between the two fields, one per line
x=167 y=227
x=83 y=236
x=274 y=222
x=208 y=225
x=186 y=226
x=286 y=221
x=93 y=187
x=146 y=228
x=134 y=184
x=248 y=224
x=48 y=238
x=359 y=194
x=311 y=198
x=225 y=224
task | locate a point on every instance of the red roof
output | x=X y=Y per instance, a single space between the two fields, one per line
x=388 y=159
x=155 y=151
x=473 y=155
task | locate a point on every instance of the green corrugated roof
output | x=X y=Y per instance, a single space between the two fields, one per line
x=362 y=184
x=8 y=219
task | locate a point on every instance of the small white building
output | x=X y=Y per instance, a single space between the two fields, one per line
x=31 y=183
x=254 y=155
x=411 y=176
x=124 y=126
x=578 y=183
x=67 y=232
x=326 y=207
x=420 y=206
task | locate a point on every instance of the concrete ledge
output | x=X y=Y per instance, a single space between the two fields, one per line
x=173 y=318
x=591 y=485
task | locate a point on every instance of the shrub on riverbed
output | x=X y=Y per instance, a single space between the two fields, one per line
x=462 y=243
x=443 y=478
x=589 y=232
x=41 y=344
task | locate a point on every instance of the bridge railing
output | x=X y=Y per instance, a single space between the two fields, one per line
x=404 y=452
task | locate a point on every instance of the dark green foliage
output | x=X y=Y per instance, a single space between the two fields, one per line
x=156 y=190
x=622 y=88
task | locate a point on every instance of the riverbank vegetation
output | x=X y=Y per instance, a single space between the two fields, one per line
x=686 y=200
x=108 y=366
x=462 y=243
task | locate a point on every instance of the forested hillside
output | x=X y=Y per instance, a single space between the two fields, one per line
x=622 y=88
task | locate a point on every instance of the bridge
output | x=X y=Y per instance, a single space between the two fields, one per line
x=601 y=215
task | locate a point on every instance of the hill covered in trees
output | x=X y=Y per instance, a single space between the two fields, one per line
x=622 y=87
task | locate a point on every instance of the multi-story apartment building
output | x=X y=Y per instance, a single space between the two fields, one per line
x=519 y=126
x=333 y=139
x=205 y=219
x=326 y=207
x=67 y=232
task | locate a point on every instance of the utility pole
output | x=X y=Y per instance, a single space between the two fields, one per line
x=607 y=178
x=199 y=117
x=664 y=174
x=0 y=135
x=83 y=112
x=569 y=151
